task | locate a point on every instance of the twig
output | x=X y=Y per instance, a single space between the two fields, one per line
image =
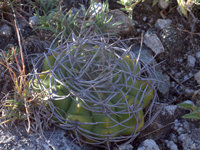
x=175 y=79
x=188 y=32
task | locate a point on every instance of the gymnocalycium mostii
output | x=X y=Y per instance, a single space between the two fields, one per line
x=96 y=88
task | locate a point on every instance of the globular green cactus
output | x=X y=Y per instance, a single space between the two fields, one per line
x=106 y=95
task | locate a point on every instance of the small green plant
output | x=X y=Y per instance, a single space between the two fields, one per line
x=129 y=6
x=56 y=22
x=101 y=19
x=195 y=110
x=45 y=6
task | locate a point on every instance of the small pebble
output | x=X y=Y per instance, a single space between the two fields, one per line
x=198 y=54
x=33 y=22
x=6 y=31
x=163 y=23
x=144 y=19
x=197 y=77
x=171 y=145
x=191 y=61
x=148 y=144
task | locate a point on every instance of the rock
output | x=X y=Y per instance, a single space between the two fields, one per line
x=169 y=110
x=124 y=147
x=198 y=55
x=191 y=61
x=174 y=43
x=163 y=83
x=188 y=135
x=144 y=19
x=163 y=23
x=197 y=77
x=96 y=9
x=173 y=84
x=25 y=29
x=171 y=145
x=17 y=138
x=6 y=31
x=163 y=123
x=189 y=91
x=163 y=4
x=187 y=144
x=33 y=22
x=122 y=29
x=189 y=102
x=153 y=42
x=148 y=144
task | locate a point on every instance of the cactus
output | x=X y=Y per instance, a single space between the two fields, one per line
x=108 y=94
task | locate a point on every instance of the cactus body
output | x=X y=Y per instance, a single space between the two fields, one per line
x=111 y=111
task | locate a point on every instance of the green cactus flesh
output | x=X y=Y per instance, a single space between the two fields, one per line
x=104 y=122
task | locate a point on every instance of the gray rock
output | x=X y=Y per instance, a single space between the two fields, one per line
x=189 y=91
x=163 y=83
x=122 y=29
x=169 y=110
x=124 y=147
x=24 y=28
x=174 y=43
x=153 y=42
x=144 y=19
x=189 y=102
x=163 y=125
x=188 y=135
x=197 y=55
x=171 y=145
x=33 y=22
x=96 y=9
x=197 y=77
x=173 y=137
x=163 y=23
x=148 y=144
x=187 y=142
x=6 y=31
x=18 y=139
x=191 y=61
x=163 y=4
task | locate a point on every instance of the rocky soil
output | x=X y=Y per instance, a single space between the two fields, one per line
x=172 y=38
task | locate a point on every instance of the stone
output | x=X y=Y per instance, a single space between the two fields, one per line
x=163 y=23
x=153 y=42
x=125 y=28
x=96 y=9
x=144 y=19
x=191 y=61
x=148 y=144
x=189 y=102
x=197 y=55
x=187 y=144
x=171 y=145
x=18 y=138
x=6 y=31
x=124 y=147
x=33 y=22
x=163 y=4
x=25 y=28
x=197 y=77
x=163 y=123
x=188 y=134
x=174 y=43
